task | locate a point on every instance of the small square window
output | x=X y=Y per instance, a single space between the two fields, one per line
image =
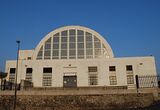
x=12 y=70
x=28 y=70
x=129 y=68
x=112 y=68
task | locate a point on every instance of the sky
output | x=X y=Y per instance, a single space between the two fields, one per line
x=131 y=27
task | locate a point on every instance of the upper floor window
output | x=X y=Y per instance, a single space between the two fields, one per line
x=29 y=58
x=29 y=70
x=72 y=44
x=12 y=70
x=47 y=70
x=129 y=68
x=92 y=69
x=112 y=68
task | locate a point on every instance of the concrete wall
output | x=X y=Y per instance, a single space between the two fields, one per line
x=141 y=66
x=77 y=102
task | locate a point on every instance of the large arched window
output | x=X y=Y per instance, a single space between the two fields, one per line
x=73 y=44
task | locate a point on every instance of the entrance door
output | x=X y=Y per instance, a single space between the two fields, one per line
x=69 y=81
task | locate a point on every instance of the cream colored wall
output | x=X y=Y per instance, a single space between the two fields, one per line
x=24 y=54
x=141 y=66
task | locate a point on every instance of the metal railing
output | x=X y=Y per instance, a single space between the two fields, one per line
x=147 y=81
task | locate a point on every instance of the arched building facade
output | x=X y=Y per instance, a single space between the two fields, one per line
x=76 y=56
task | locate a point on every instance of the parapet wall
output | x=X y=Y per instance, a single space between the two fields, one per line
x=77 y=102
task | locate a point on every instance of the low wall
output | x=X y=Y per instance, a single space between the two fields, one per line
x=77 y=102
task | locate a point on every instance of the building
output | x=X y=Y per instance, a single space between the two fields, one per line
x=76 y=56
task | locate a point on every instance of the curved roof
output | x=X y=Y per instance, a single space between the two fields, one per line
x=73 y=42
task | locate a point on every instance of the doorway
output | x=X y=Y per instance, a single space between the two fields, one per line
x=70 y=81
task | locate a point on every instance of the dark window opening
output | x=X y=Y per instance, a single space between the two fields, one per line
x=12 y=70
x=129 y=68
x=112 y=68
x=47 y=70
x=29 y=58
x=29 y=70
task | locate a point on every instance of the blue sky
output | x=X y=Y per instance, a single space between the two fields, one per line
x=131 y=27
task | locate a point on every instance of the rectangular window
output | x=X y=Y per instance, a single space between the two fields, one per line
x=47 y=81
x=129 y=68
x=130 y=79
x=47 y=70
x=12 y=70
x=29 y=74
x=112 y=68
x=92 y=69
x=29 y=58
x=113 y=80
x=93 y=80
x=47 y=76
x=28 y=70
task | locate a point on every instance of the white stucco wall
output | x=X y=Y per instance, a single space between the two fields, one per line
x=141 y=66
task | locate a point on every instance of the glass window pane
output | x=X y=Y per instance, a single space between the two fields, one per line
x=49 y=40
x=92 y=69
x=80 y=45
x=39 y=53
x=47 y=70
x=63 y=57
x=63 y=39
x=55 y=46
x=129 y=68
x=47 y=46
x=64 y=33
x=12 y=70
x=72 y=39
x=55 y=57
x=89 y=45
x=89 y=52
x=72 y=52
x=80 y=32
x=72 y=45
x=47 y=53
x=56 y=35
x=96 y=39
x=112 y=68
x=29 y=70
x=80 y=52
x=88 y=34
x=63 y=52
x=55 y=52
x=64 y=46
x=72 y=32
x=80 y=38
x=56 y=39
x=97 y=45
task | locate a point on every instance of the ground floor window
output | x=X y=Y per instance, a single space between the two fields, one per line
x=29 y=77
x=113 y=80
x=130 y=79
x=47 y=81
x=93 y=79
x=47 y=76
x=29 y=74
